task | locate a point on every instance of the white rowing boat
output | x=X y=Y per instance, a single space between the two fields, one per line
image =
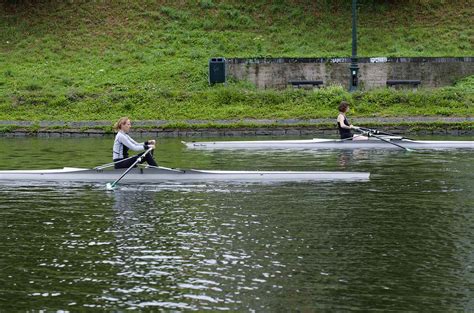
x=162 y=174
x=389 y=142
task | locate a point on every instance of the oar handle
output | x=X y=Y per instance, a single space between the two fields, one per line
x=370 y=130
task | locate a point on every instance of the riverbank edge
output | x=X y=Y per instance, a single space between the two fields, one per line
x=241 y=127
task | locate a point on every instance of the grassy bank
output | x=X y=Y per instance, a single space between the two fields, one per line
x=148 y=60
x=234 y=102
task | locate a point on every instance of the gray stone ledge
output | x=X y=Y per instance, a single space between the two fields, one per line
x=286 y=127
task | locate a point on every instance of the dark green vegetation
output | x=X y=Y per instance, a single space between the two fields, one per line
x=98 y=60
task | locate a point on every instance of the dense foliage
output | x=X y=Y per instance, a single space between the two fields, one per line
x=96 y=60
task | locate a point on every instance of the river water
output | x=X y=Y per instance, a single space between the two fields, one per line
x=403 y=241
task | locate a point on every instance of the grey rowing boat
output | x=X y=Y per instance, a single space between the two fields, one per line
x=162 y=174
x=317 y=143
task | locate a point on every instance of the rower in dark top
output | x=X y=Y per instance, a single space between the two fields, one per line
x=123 y=142
x=345 y=128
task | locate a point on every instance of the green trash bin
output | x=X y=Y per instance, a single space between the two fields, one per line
x=216 y=70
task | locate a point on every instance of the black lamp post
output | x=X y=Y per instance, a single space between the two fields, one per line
x=354 y=68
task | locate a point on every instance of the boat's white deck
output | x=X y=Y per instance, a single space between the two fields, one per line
x=321 y=143
x=164 y=174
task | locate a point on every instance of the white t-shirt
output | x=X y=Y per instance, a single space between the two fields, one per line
x=123 y=143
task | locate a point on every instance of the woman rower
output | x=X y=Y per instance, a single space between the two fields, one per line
x=123 y=142
x=344 y=126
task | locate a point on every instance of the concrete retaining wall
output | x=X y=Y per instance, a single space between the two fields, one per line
x=373 y=72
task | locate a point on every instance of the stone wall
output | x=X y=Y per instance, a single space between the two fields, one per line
x=373 y=72
x=432 y=125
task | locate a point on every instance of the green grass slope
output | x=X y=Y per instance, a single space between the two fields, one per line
x=98 y=60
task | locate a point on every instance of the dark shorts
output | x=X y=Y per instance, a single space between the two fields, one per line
x=127 y=163
x=347 y=135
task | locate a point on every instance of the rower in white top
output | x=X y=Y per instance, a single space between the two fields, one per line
x=123 y=142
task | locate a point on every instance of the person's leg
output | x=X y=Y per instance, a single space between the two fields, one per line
x=360 y=137
x=347 y=137
x=149 y=159
x=127 y=163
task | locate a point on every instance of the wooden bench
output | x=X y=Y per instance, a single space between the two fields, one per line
x=412 y=82
x=304 y=83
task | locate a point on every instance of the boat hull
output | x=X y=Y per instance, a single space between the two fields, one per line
x=330 y=144
x=156 y=175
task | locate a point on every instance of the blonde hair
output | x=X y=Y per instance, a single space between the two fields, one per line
x=120 y=122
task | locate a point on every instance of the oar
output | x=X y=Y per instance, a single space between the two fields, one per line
x=392 y=143
x=371 y=132
x=111 y=186
x=375 y=131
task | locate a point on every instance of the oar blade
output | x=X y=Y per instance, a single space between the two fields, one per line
x=110 y=187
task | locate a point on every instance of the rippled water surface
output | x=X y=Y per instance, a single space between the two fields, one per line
x=402 y=241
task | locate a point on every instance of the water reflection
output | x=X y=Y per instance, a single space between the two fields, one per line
x=181 y=253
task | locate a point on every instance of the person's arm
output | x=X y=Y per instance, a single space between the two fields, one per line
x=147 y=144
x=340 y=121
x=132 y=144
